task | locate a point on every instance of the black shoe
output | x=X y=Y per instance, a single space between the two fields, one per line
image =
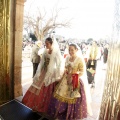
x=93 y=85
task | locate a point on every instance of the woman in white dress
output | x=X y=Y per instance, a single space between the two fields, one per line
x=49 y=71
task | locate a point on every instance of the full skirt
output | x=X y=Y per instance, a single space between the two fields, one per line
x=39 y=99
x=66 y=111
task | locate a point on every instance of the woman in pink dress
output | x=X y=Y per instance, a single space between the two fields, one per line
x=49 y=71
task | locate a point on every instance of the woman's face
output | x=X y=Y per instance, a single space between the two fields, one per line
x=72 y=50
x=94 y=43
x=48 y=44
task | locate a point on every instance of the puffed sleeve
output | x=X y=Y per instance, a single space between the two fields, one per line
x=80 y=67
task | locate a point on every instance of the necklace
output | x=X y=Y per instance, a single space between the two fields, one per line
x=72 y=58
x=50 y=51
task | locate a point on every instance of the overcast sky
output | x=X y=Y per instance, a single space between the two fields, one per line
x=90 y=18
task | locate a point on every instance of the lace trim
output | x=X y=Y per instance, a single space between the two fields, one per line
x=66 y=100
x=63 y=99
x=36 y=87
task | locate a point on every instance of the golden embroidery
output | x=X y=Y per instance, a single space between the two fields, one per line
x=64 y=90
x=66 y=100
x=46 y=63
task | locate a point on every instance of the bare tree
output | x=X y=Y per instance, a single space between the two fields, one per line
x=41 y=24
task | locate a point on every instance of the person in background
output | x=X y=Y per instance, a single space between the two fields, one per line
x=105 y=55
x=85 y=52
x=35 y=58
x=48 y=73
x=66 y=51
x=101 y=51
x=41 y=50
x=93 y=56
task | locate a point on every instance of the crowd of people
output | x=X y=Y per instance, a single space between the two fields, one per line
x=60 y=84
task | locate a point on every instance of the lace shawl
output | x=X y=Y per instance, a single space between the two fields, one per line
x=54 y=69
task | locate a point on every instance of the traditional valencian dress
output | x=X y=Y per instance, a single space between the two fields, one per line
x=69 y=98
x=39 y=94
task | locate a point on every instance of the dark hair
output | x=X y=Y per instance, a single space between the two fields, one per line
x=95 y=41
x=49 y=39
x=74 y=45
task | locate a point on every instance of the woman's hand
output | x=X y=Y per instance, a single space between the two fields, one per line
x=65 y=71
